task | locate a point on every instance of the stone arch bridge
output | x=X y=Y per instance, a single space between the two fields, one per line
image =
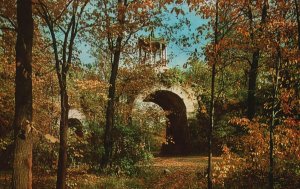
x=178 y=101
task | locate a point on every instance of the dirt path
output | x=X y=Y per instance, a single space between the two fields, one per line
x=180 y=172
x=164 y=173
x=191 y=162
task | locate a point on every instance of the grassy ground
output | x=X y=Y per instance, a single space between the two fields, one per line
x=165 y=172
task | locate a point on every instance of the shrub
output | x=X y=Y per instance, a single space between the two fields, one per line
x=129 y=150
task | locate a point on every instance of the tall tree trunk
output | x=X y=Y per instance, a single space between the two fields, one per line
x=110 y=110
x=62 y=66
x=63 y=133
x=212 y=99
x=22 y=162
x=273 y=116
x=298 y=21
x=253 y=72
x=298 y=25
x=251 y=101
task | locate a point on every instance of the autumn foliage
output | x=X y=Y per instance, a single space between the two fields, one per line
x=243 y=69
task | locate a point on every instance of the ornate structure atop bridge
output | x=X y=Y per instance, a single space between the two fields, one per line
x=179 y=102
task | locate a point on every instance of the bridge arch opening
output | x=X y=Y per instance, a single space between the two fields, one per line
x=76 y=125
x=176 y=125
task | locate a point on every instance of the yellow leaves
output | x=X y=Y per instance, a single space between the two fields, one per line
x=88 y=85
x=79 y=153
x=51 y=138
x=4 y=143
x=139 y=7
x=91 y=84
x=230 y=164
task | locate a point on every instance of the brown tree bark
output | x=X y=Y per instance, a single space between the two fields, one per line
x=62 y=65
x=61 y=68
x=251 y=101
x=212 y=98
x=253 y=72
x=22 y=161
x=63 y=134
x=273 y=117
x=63 y=127
x=298 y=21
x=110 y=109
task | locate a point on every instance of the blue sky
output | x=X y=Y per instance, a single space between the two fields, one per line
x=177 y=55
x=180 y=53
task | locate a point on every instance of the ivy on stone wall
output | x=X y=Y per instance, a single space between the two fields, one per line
x=172 y=76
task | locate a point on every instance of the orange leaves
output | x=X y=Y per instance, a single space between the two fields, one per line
x=240 y=121
x=8 y=13
x=287 y=140
x=292 y=122
x=57 y=8
x=255 y=143
x=125 y=19
x=91 y=84
x=178 y=11
x=99 y=87
x=230 y=164
x=289 y=101
x=243 y=31
x=206 y=11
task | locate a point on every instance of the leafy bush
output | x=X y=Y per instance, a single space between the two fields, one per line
x=172 y=76
x=129 y=150
x=45 y=154
x=251 y=168
x=95 y=148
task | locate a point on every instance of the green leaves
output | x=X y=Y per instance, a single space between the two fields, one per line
x=172 y=76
